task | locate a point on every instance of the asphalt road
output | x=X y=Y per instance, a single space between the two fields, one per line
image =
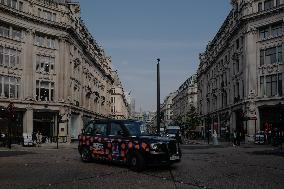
x=202 y=166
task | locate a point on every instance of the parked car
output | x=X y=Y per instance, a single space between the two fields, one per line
x=173 y=132
x=259 y=137
x=122 y=141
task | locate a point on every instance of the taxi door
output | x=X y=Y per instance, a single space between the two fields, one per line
x=118 y=142
x=100 y=140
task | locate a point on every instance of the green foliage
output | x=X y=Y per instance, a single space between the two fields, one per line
x=190 y=121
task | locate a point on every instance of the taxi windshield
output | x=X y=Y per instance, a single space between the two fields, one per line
x=136 y=128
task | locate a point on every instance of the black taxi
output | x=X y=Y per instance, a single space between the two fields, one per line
x=124 y=141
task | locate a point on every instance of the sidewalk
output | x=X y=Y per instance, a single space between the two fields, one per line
x=220 y=143
x=44 y=146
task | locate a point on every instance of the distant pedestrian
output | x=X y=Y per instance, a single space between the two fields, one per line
x=215 y=139
x=234 y=138
x=227 y=134
x=34 y=138
x=39 y=138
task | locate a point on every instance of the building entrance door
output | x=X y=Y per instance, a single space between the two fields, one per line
x=44 y=124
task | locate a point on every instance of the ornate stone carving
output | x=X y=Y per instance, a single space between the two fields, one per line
x=252 y=94
x=29 y=107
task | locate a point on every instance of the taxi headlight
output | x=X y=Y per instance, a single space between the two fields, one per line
x=154 y=146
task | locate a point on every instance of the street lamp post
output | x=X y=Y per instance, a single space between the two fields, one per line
x=158 y=96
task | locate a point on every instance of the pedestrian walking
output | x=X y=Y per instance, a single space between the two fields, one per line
x=39 y=138
x=34 y=139
x=215 y=139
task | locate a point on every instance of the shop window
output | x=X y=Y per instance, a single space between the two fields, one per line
x=9 y=87
x=44 y=91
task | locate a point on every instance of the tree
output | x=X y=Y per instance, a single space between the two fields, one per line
x=192 y=119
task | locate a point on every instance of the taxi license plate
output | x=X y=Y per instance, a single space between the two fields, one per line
x=174 y=157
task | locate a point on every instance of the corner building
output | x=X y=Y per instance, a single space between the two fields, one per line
x=51 y=69
x=240 y=76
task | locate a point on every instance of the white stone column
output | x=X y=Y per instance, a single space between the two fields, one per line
x=28 y=121
x=27 y=63
x=80 y=123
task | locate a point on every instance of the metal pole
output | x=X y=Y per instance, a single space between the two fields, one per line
x=9 y=134
x=254 y=127
x=158 y=96
x=58 y=119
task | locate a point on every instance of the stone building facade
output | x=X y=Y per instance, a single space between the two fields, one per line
x=167 y=110
x=120 y=109
x=241 y=72
x=51 y=68
x=185 y=98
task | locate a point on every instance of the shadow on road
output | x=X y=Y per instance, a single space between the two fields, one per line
x=276 y=152
x=13 y=153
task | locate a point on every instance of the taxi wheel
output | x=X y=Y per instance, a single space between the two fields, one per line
x=86 y=155
x=136 y=162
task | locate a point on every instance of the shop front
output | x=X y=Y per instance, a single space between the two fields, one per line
x=44 y=123
x=16 y=125
x=271 y=117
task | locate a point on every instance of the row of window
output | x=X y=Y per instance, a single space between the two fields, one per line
x=10 y=32
x=271 y=85
x=9 y=87
x=45 y=41
x=46 y=15
x=273 y=30
x=9 y=57
x=15 y=4
x=267 y=5
x=271 y=55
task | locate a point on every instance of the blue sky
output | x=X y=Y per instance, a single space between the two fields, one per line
x=137 y=32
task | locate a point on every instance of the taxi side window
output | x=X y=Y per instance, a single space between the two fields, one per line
x=89 y=129
x=100 y=129
x=116 y=129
